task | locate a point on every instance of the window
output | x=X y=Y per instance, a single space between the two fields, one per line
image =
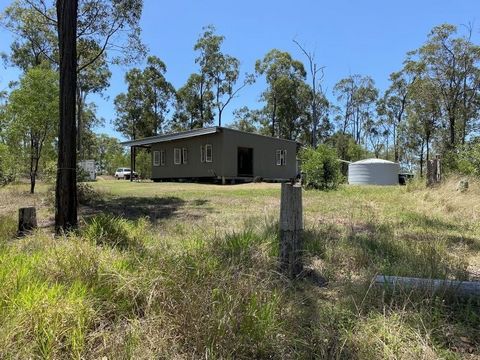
x=177 y=156
x=281 y=157
x=162 y=157
x=156 y=158
x=208 y=153
x=184 y=155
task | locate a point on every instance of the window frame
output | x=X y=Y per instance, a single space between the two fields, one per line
x=281 y=157
x=156 y=158
x=184 y=155
x=177 y=156
x=162 y=157
x=207 y=158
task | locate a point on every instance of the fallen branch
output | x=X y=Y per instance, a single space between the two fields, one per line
x=461 y=288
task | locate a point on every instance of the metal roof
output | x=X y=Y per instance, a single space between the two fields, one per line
x=171 y=137
x=189 y=134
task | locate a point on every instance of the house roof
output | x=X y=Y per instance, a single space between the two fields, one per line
x=170 y=137
x=187 y=134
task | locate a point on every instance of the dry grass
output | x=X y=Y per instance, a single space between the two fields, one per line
x=175 y=270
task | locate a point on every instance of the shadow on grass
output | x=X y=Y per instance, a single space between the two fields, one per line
x=421 y=220
x=153 y=208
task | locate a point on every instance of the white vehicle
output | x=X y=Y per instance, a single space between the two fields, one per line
x=124 y=173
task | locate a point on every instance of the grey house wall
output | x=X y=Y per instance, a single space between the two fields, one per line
x=264 y=154
x=194 y=167
x=225 y=145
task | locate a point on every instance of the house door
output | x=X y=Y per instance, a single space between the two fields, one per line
x=245 y=161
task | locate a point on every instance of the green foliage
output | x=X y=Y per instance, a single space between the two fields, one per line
x=287 y=96
x=468 y=158
x=143 y=163
x=142 y=110
x=32 y=117
x=347 y=149
x=86 y=194
x=321 y=167
x=9 y=165
x=358 y=94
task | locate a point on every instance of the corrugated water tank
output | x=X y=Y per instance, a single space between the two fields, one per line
x=373 y=172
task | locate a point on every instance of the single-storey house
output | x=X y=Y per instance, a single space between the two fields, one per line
x=219 y=154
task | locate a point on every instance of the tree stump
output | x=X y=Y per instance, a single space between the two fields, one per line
x=291 y=229
x=27 y=220
x=462 y=185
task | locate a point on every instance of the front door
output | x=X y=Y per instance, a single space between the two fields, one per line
x=245 y=161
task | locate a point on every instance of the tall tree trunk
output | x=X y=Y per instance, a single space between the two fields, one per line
x=66 y=187
x=428 y=147
x=421 y=158
x=274 y=113
x=79 y=97
x=451 y=121
x=315 y=123
x=32 y=160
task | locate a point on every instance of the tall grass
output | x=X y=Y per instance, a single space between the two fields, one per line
x=131 y=289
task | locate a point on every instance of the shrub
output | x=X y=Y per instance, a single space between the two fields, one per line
x=8 y=166
x=468 y=159
x=320 y=167
x=86 y=193
x=49 y=172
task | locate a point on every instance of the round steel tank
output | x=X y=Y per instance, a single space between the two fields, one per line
x=373 y=172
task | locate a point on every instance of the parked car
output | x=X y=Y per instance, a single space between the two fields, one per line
x=124 y=173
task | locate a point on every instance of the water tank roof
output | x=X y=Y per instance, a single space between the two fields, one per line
x=373 y=161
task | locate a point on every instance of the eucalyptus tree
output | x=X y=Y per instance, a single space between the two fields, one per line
x=245 y=119
x=318 y=101
x=142 y=110
x=108 y=32
x=218 y=75
x=451 y=62
x=158 y=95
x=32 y=116
x=425 y=113
x=194 y=107
x=356 y=94
x=285 y=78
x=395 y=100
x=66 y=183
x=129 y=107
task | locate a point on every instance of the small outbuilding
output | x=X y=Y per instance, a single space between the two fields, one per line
x=219 y=154
x=373 y=172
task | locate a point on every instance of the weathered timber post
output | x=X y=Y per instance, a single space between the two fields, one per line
x=291 y=228
x=27 y=220
x=434 y=175
x=459 y=288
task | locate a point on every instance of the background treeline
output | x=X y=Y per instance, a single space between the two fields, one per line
x=431 y=105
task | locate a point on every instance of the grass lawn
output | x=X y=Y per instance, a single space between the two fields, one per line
x=174 y=270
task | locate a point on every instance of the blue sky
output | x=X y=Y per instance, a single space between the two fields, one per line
x=368 y=37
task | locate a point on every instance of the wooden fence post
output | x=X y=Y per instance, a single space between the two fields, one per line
x=291 y=228
x=434 y=175
x=27 y=220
